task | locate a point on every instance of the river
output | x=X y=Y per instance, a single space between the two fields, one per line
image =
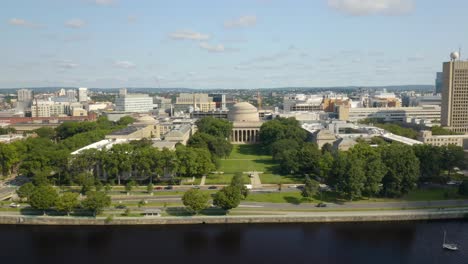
x=390 y=242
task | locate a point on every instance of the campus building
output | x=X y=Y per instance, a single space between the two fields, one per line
x=455 y=95
x=398 y=114
x=246 y=123
x=134 y=103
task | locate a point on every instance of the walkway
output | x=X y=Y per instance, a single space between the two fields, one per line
x=203 y=179
x=255 y=179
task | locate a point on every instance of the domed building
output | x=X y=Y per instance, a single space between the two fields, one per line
x=246 y=123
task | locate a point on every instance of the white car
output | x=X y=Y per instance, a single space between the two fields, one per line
x=14 y=205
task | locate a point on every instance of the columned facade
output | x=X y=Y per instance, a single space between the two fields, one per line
x=245 y=135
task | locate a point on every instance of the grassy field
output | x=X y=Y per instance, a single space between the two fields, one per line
x=223 y=179
x=250 y=158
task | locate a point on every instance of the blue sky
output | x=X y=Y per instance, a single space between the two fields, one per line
x=227 y=44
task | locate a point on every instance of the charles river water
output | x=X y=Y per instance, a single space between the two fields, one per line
x=389 y=242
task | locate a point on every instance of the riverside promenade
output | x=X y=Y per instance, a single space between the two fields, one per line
x=289 y=217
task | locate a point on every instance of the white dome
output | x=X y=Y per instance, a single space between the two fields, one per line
x=243 y=112
x=454 y=55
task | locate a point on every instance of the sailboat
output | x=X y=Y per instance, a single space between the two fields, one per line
x=449 y=246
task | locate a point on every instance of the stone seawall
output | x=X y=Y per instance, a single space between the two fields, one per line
x=322 y=218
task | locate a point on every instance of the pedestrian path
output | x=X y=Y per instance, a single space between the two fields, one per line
x=202 y=182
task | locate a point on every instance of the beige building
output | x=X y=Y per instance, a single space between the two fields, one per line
x=323 y=137
x=199 y=102
x=427 y=138
x=455 y=95
x=399 y=114
x=246 y=123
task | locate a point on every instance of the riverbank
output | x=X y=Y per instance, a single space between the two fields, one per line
x=323 y=217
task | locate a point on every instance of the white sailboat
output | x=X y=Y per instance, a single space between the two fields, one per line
x=449 y=246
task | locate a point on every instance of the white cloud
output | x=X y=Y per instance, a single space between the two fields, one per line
x=75 y=23
x=22 y=23
x=124 y=64
x=243 y=21
x=372 y=7
x=68 y=65
x=212 y=48
x=190 y=35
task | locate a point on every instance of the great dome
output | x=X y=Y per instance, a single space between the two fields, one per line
x=243 y=112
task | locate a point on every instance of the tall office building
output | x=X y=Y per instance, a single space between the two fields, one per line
x=70 y=94
x=439 y=82
x=24 y=95
x=82 y=94
x=455 y=95
x=134 y=103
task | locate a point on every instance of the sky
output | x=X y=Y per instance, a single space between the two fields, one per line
x=227 y=44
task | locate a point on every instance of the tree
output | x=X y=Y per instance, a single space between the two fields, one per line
x=326 y=165
x=309 y=159
x=107 y=188
x=215 y=127
x=452 y=156
x=25 y=191
x=238 y=182
x=430 y=161
x=195 y=200
x=281 y=128
x=43 y=197
x=150 y=188
x=96 y=202
x=310 y=188
x=129 y=186
x=67 y=202
x=227 y=198
x=45 y=132
x=8 y=158
x=374 y=168
x=403 y=169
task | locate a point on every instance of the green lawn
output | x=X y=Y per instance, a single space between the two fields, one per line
x=277 y=197
x=267 y=178
x=250 y=158
x=224 y=179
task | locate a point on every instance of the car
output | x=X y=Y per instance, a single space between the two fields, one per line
x=213 y=187
x=292 y=186
x=159 y=188
x=300 y=187
x=168 y=187
x=14 y=205
x=321 y=205
x=196 y=187
x=121 y=206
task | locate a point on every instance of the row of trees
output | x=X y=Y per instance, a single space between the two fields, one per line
x=227 y=198
x=141 y=162
x=43 y=196
x=213 y=134
x=49 y=153
x=390 y=170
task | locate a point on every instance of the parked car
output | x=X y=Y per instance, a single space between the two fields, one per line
x=292 y=186
x=14 y=205
x=121 y=206
x=196 y=187
x=321 y=205
x=159 y=188
x=168 y=187
x=213 y=187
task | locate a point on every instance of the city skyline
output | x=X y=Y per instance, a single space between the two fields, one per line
x=246 y=44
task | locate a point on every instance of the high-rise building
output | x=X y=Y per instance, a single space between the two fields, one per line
x=439 y=82
x=123 y=91
x=134 y=103
x=455 y=95
x=25 y=95
x=70 y=94
x=199 y=102
x=82 y=94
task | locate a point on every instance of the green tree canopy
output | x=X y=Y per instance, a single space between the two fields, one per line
x=403 y=169
x=67 y=202
x=96 y=202
x=43 y=197
x=26 y=190
x=227 y=198
x=195 y=200
x=215 y=127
